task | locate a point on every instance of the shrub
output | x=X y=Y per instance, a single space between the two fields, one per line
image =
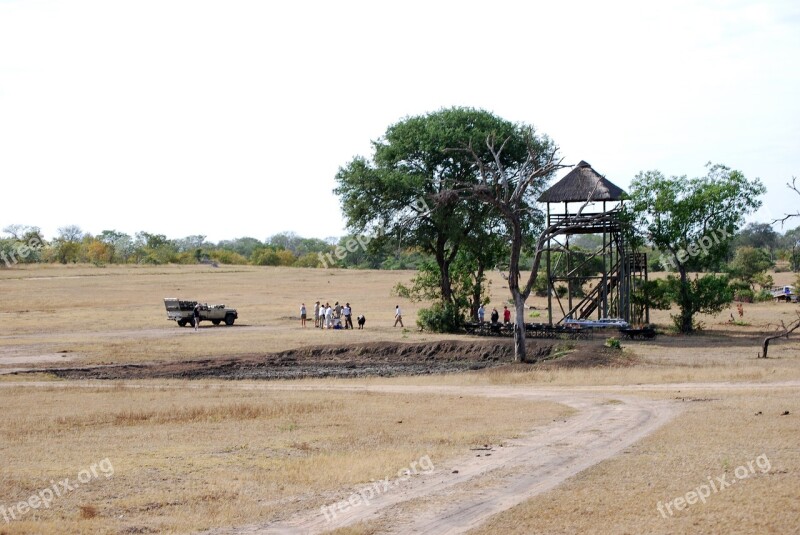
x=224 y=256
x=763 y=295
x=440 y=318
x=613 y=343
x=308 y=260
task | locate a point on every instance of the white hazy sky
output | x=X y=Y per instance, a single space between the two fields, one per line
x=231 y=118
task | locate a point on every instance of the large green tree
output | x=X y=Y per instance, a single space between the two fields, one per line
x=397 y=194
x=759 y=236
x=693 y=221
x=750 y=265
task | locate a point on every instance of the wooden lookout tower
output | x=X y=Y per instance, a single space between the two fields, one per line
x=586 y=203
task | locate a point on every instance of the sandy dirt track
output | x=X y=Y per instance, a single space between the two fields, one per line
x=459 y=495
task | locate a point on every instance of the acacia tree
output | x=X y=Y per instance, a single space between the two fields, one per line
x=693 y=221
x=750 y=265
x=391 y=196
x=68 y=244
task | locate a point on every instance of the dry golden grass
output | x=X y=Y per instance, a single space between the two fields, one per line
x=186 y=459
x=718 y=432
x=116 y=313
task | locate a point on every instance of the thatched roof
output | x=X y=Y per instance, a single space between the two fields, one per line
x=579 y=184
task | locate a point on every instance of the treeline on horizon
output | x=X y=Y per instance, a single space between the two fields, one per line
x=23 y=244
x=755 y=249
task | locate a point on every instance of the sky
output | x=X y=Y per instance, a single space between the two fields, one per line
x=231 y=119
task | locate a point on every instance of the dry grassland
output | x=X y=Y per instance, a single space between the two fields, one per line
x=718 y=433
x=116 y=313
x=189 y=459
x=187 y=456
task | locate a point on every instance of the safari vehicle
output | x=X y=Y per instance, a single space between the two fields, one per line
x=784 y=293
x=601 y=323
x=183 y=312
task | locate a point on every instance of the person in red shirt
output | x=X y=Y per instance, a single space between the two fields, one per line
x=506 y=315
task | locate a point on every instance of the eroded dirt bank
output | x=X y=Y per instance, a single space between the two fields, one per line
x=381 y=359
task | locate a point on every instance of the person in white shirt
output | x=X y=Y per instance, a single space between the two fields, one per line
x=328 y=317
x=348 y=316
x=398 y=317
x=303 y=314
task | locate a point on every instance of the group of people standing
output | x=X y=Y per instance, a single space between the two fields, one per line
x=495 y=317
x=330 y=317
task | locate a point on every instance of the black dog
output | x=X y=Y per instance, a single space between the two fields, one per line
x=361 y=321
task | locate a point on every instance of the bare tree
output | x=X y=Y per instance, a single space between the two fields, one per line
x=509 y=191
x=782 y=332
x=70 y=233
x=796 y=188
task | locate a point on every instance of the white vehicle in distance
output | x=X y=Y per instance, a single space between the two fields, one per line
x=616 y=323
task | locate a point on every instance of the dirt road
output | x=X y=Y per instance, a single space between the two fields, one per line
x=458 y=495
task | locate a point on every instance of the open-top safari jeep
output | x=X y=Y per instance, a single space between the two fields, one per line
x=182 y=311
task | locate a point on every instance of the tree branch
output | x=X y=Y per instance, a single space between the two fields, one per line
x=782 y=332
x=794 y=187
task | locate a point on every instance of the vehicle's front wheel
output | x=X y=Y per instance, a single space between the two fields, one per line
x=229 y=319
x=215 y=322
x=181 y=323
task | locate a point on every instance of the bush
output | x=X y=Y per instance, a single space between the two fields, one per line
x=265 y=257
x=613 y=343
x=440 y=318
x=540 y=287
x=744 y=296
x=224 y=256
x=762 y=296
x=308 y=260
x=739 y=285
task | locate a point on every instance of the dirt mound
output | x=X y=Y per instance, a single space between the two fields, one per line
x=376 y=359
x=590 y=356
x=358 y=360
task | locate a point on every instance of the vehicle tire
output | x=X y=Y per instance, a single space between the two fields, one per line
x=190 y=322
x=215 y=322
x=181 y=323
x=229 y=319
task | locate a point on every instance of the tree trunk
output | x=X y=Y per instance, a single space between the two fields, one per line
x=447 y=290
x=783 y=334
x=516 y=295
x=519 y=329
x=444 y=275
x=686 y=314
x=477 y=291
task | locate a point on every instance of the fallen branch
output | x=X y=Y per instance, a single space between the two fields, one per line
x=783 y=332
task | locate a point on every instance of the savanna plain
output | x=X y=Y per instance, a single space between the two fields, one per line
x=680 y=434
